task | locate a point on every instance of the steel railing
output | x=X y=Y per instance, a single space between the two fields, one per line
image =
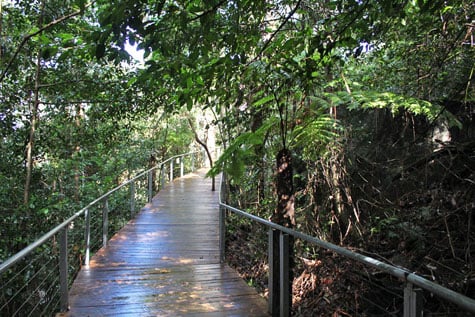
x=36 y=280
x=278 y=262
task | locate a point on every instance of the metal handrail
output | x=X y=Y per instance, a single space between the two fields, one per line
x=404 y=274
x=20 y=255
x=63 y=227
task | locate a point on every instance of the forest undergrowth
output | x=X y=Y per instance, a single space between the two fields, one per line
x=415 y=209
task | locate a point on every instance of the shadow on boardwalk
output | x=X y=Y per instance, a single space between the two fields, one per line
x=165 y=262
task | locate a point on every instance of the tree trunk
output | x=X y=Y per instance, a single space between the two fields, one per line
x=284 y=213
x=76 y=154
x=208 y=153
x=29 y=150
x=152 y=162
x=259 y=151
x=33 y=120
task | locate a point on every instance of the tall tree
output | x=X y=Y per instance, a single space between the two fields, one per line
x=33 y=112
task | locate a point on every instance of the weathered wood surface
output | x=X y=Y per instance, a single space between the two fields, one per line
x=165 y=262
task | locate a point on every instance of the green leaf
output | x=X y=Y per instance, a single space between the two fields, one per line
x=34 y=29
x=66 y=36
x=447 y=9
x=262 y=101
x=396 y=102
x=43 y=211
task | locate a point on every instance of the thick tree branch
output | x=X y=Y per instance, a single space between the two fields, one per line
x=29 y=36
x=281 y=26
x=77 y=81
x=214 y=8
x=73 y=102
x=203 y=144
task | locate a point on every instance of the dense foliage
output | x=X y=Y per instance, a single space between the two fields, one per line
x=369 y=102
x=85 y=126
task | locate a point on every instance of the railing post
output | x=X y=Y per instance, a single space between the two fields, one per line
x=132 y=198
x=192 y=162
x=285 y=294
x=412 y=301
x=222 y=233
x=171 y=171
x=273 y=258
x=105 y=222
x=63 y=270
x=182 y=166
x=87 y=237
x=150 y=186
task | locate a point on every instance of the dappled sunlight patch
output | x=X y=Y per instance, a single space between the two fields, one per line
x=185 y=261
x=166 y=263
x=161 y=271
x=124 y=282
x=178 y=260
x=192 y=302
x=97 y=264
x=150 y=236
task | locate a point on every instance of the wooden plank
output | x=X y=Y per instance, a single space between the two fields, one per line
x=165 y=262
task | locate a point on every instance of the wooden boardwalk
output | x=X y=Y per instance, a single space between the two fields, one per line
x=165 y=262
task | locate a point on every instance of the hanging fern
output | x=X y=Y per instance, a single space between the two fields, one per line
x=315 y=132
x=397 y=102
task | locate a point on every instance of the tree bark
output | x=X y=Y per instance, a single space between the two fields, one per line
x=208 y=153
x=76 y=152
x=152 y=162
x=29 y=150
x=33 y=120
x=284 y=213
x=259 y=150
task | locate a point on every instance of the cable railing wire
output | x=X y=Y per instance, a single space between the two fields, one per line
x=30 y=282
x=412 y=299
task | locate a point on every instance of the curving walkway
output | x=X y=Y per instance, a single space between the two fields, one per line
x=165 y=262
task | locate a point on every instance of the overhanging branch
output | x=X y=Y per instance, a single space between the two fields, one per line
x=203 y=144
x=29 y=36
x=274 y=34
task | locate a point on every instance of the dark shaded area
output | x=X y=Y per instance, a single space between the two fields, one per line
x=409 y=185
